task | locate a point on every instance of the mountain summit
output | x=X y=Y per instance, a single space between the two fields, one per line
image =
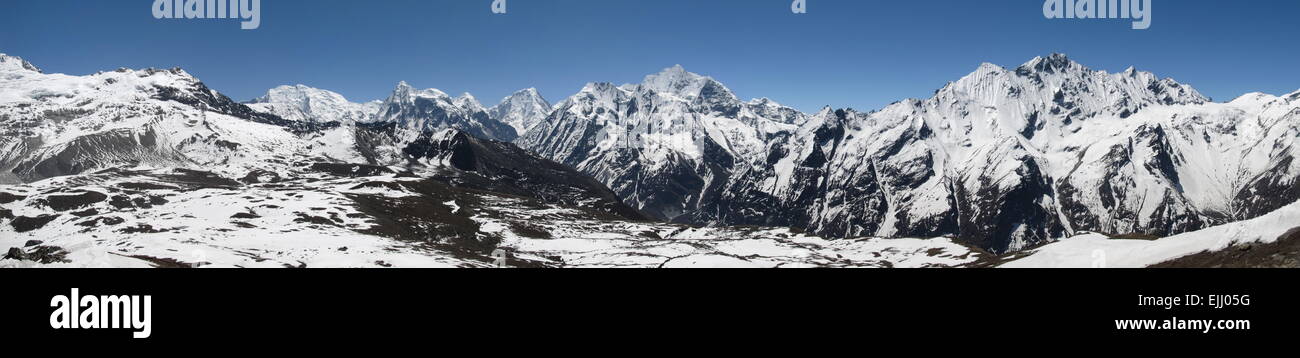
x=523 y=110
x=432 y=109
x=14 y=63
x=305 y=103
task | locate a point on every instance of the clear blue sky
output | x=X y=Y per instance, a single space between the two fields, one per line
x=843 y=53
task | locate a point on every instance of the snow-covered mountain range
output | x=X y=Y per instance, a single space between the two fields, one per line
x=1004 y=158
x=144 y=167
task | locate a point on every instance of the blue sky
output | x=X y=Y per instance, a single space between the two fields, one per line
x=843 y=53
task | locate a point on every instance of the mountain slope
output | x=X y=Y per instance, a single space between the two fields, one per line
x=56 y=124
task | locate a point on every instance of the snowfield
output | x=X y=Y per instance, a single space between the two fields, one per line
x=1100 y=251
x=153 y=218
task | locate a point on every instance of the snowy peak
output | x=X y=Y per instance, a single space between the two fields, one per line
x=405 y=93
x=13 y=63
x=677 y=81
x=304 y=103
x=1057 y=85
x=522 y=110
x=433 y=110
x=1053 y=63
x=672 y=79
x=468 y=101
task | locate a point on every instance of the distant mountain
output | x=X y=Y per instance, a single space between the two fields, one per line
x=523 y=110
x=431 y=110
x=303 y=103
x=665 y=144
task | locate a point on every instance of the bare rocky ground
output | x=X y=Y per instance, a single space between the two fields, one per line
x=1284 y=253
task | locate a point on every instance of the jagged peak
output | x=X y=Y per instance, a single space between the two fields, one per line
x=405 y=90
x=597 y=87
x=1293 y=95
x=15 y=62
x=1056 y=62
x=764 y=101
x=530 y=91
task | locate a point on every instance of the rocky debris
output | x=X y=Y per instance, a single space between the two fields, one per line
x=40 y=254
x=311 y=219
x=141 y=202
x=103 y=220
x=141 y=229
x=15 y=254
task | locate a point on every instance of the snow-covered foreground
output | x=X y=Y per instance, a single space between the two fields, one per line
x=144 y=217
x=168 y=218
x=1096 y=250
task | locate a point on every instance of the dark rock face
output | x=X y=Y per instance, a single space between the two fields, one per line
x=1270 y=191
x=1009 y=219
x=23 y=224
x=6 y=198
x=198 y=179
x=69 y=202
